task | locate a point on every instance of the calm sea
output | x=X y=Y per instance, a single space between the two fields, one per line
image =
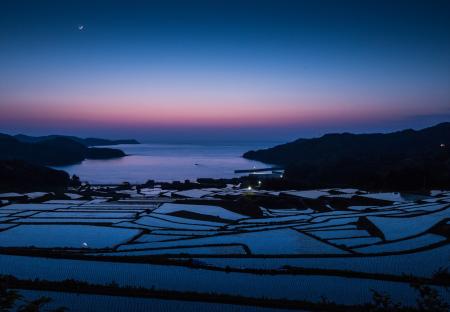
x=169 y=162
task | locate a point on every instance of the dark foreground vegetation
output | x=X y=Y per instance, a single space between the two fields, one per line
x=404 y=160
x=12 y=300
x=428 y=298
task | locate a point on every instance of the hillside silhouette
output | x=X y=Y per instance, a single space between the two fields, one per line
x=53 y=151
x=407 y=159
x=85 y=141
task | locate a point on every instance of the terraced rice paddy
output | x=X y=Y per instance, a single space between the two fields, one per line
x=63 y=236
x=214 y=248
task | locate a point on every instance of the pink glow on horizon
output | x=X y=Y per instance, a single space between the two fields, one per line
x=130 y=101
x=198 y=114
x=243 y=108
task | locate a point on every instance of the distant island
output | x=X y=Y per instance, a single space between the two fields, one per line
x=405 y=159
x=85 y=141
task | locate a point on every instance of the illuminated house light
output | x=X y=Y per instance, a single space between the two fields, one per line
x=442 y=145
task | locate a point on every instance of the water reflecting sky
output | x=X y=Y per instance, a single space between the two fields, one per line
x=168 y=162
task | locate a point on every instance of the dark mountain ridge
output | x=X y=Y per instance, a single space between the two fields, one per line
x=53 y=151
x=403 y=159
x=85 y=141
x=401 y=143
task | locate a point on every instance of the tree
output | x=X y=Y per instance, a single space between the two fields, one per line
x=12 y=300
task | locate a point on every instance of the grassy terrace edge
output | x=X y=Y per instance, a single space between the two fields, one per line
x=440 y=278
x=74 y=286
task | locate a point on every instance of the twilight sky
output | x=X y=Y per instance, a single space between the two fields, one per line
x=277 y=70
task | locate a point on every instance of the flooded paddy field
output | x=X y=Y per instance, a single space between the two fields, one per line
x=298 y=246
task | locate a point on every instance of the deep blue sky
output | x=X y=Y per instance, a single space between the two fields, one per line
x=166 y=70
